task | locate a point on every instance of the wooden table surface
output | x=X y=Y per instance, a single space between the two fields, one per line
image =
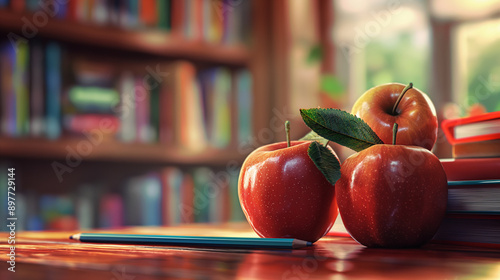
x=51 y=255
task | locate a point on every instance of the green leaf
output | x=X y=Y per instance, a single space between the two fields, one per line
x=325 y=161
x=331 y=85
x=340 y=127
x=315 y=54
x=313 y=136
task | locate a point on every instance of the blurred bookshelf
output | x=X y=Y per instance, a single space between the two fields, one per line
x=157 y=43
x=69 y=66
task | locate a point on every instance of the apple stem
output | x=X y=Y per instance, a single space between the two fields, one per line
x=287 y=130
x=409 y=86
x=394 y=132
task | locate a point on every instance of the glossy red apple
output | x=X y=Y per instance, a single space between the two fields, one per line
x=392 y=195
x=415 y=114
x=283 y=194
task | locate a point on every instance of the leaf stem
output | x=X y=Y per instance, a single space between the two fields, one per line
x=394 y=132
x=287 y=130
x=409 y=86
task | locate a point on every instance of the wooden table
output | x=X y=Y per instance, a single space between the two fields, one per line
x=51 y=255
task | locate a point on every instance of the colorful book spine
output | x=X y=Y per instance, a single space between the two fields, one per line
x=148 y=13
x=203 y=194
x=221 y=117
x=186 y=205
x=141 y=112
x=154 y=113
x=171 y=192
x=86 y=205
x=191 y=133
x=164 y=14
x=53 y=73
x=134 y=207
x=126 y=109
x=151 y=200
x=88 y=122
x=37 y=85
x=21 y=89
x=244 y=105
x=111 y=211
x=8 y=63
x=167 y=112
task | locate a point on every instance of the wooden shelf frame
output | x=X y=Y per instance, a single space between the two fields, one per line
x=114 y=151
x=160 y=44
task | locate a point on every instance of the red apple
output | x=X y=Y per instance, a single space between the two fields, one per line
x=392 y=195
x=415 y=115
x=283 y=194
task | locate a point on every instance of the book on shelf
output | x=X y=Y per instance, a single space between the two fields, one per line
x=37 y=85
x=203 y=194
x=53 y=90
x=171 y=178
x=186 y=205
x=111 y=211
x=243 y=81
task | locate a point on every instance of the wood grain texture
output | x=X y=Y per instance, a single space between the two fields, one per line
x=51 y=255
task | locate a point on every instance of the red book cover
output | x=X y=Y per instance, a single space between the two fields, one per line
x=111 y=211
x=165 y=190
x=471 y=168
x=488 y=148
x=187 y=197
x=472 y=129
x=148 y=12
x=198 y=19
x=167 y=105
x=18 y=5
x=186 y=76
x=89 y=122
x=177 y=16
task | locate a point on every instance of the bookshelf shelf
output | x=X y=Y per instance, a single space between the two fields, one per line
x=114 y=151
x=156 y=43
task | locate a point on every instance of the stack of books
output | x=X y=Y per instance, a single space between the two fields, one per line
x=473 y=211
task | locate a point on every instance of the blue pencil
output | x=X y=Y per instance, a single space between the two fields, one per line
x=193 y=241
x=473 y=182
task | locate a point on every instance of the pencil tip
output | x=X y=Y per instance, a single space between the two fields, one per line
x=309 y=243
x=71 y=237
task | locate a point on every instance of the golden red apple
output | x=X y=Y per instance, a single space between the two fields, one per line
x=415 y=114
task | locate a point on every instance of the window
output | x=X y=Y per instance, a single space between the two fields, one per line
x=476 y=65
x=381 y=42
